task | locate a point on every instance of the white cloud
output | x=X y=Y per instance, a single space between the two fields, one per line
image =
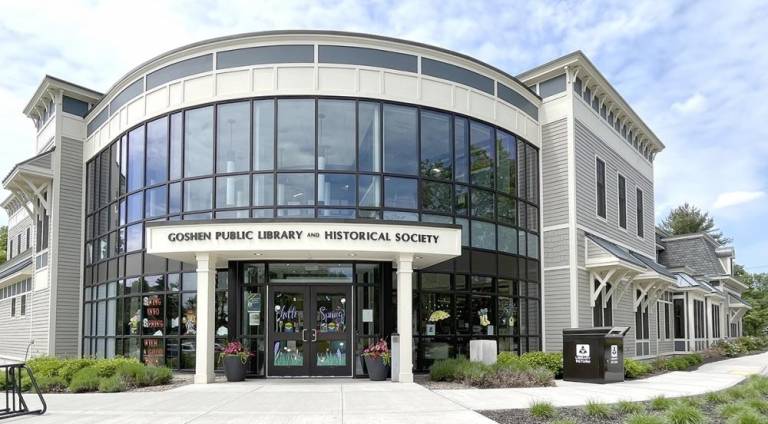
x=693 y=104
x=733 y=198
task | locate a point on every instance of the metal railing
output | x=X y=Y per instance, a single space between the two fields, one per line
x=15 y=405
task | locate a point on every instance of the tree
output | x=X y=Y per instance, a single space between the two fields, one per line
x=756 y=319
x=688 y=219
x=3 y=243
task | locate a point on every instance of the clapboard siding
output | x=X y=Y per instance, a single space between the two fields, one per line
x=70 y=178
x=14 y=331
x=40 y=302
x=557 y=304
x=587 y=147
x=556 y=248
x=554 y=178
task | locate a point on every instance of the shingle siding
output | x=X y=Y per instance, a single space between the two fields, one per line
x=587 y=147
x=696 y=253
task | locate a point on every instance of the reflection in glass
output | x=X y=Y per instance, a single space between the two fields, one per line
x=369 y=191
x=507 y=239
x=175 y=159
x=436 y=196
x=198 y=142
x=263 y=190
x=136 y=159
x=157 y=151
x=483 y=235
x=263 y=135
x=436 y=145
x=400 y=140
x=335 y=190
x=295 y=134
x=288 y=353
x=156 y=201
x=134 y=236
x=482 y=204
x=295 y=189
x=233 y=124
x=310 y=272
x=336 y=134
x=331 y=314
x=400 y=193
x=174 y=198
x=481 y=154
x=135 y=207
x=369 y=136
x=461 y=149
x=400 y=216
x=232 y=192
x=172 y=314
x=198 y=195
x=506 y=211
x=506 y=153
x=188 y=314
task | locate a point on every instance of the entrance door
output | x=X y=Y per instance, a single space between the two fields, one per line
x=309 y=331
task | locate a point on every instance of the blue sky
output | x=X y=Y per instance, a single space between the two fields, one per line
x=696 y=72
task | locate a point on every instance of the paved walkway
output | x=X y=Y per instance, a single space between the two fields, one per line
x=361 y=401
x=709 y=377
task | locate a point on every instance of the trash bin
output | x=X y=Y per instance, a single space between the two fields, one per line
x=594 y=354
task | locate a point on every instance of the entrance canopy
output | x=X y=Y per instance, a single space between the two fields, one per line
x=428 y=244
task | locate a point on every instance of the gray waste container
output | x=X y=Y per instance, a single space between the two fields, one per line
x=594 y=354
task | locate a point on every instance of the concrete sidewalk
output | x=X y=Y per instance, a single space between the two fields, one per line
x=361 y=401
x=708 y=378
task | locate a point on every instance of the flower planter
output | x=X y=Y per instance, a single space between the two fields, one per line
x=234 y=368
x=377 y=371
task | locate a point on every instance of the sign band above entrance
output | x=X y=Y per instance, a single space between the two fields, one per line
x=429 y=244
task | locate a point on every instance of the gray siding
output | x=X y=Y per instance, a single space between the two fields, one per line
x=587 y=147
x=557 y=306
x=696 y=253
x=554 y=152
x=17 y=332
x=68 y=188
x=556 y=249
x=20 y=229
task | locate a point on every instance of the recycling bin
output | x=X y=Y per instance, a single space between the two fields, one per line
x=594 y=354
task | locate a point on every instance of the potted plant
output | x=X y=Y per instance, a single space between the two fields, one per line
x=235 y=358
x=377 y=360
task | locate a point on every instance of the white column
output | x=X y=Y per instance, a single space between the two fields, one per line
x=405 y=318
x=206 y=292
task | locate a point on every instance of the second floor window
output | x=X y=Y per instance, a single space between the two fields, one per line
x=600 y=175
x=622 y=202
x=640 y=222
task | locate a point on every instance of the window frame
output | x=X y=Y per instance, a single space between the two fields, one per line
x=621 y=186
x=601 y=202
x=640 y=211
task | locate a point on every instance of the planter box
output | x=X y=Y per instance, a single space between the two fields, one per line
x=234 y=368
x=377 y=371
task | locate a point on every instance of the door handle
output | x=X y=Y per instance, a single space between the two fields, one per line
x=303 y=335
x=314 y=335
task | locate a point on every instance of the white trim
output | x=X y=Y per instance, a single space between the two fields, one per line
x=614 y=241
x=555 y=227
x=556 y=268
x=572 y=241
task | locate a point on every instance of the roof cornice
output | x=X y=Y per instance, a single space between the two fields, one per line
x=49 y=82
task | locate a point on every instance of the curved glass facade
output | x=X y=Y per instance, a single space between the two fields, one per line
x=312 y=158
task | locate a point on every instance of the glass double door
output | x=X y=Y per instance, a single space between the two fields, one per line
x=309 y=330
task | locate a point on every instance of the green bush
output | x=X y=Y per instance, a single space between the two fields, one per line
x=108 y=367
x=112 y=385
x=644 y=419
x=85 y=380
x=759 y=383
x=51 y=384
x=628 y=407
x=445 y=369
x=681 y=413
x=543 y=410
x=597 y=410
x=552 y=361
x=731 y=348
x=758 y=404
x=731 y=410
x=508 y=358
x=133 y=373
x=747 y=416
x=741 y=392
x=45 y=366
x=156 y=376
x=716 y=398
x=660 y=403
x=69 y=367
x=635 y=369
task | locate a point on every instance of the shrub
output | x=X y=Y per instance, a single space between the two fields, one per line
x=85 y=380
x=731 y=349
x=553 y=361
x=685 y=414
x=644 y=419
x=543 y=410
x=68 y=368
x=758 y=383
x=501 y=377
x=627 y=407
x=678 y=363
x=155 y=376
x=694 y=359
x=660 y=403
x=112 y=385
x=758 y=404
x=694 y=401
x=742 y=392
x=51 y=384
x=635 y=369
x=2 y=381
x=508 y=358
x=731 y=410
x=445 y=369
x=597 y=410
x=132 y=373
x=45 y=366
x=108 y=367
